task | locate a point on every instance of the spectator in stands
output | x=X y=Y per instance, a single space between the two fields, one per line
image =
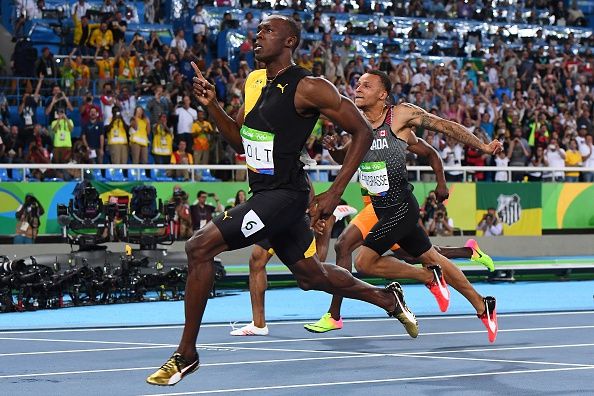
x=490 y=224
x=82 y=33
x=441 y=224
x=46 y=65
x=249 y=22
x=518 y=153
x=28 y=108
x=538 y=160
x=240 y=197
x=38 y=154
x=85 y=110
x=82 y=73
x=67 y=81
x=13 y=147
x=61 y=130
x=108 y=7
x=453 y=155
x=140 y=129
x=200 y=20
x=588 y=157
x=162 y=147
x=108 y=101
x=57 y=102
x=422 y=77
x=116 y=132
x=182 y=220
x=186 y=116
x=573 y=158
x=555 y=157
x=182 y=157
x=28 y=215
x=80 y=8
x=118 y=27
x=501 y=161
x=159 y=74
x=93 y=137
x=201 y=212
x=202 y=130
x=127 y=64
x=102 y=38
x=126 y=101
x=159 y=104
x=179 y=43
x=228 y=22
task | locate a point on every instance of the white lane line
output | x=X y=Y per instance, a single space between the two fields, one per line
x=376 y=381
x=341 y=355
x=286 y=323
x=82 y=341
x=380 y=336
x=283 y=341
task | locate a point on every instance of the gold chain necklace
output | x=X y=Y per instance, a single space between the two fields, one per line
x=270 y=80
x=380 y=116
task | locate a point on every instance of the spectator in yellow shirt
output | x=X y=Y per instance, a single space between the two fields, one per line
x=181 y=157
x=82 y=73
x=102 y=37
x=105 y=67
x=126 y=65
x=573 y=157
x=140 y=127
x=162 y=141
x=201 y=130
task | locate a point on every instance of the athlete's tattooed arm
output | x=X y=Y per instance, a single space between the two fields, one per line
x=411 y=115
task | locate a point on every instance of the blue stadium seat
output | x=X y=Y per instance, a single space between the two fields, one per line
x=115 y=175
x=17 y=175
x=98 y=176
x=159 y=175
x=76 y=131
x=4 y=175
x=208 y=177
x=137 y=175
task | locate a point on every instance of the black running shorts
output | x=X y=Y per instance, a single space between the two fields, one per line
x=276 y=215
x=398 y=224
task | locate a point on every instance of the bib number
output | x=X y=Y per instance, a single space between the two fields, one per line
x=374 y=177
x=259 y=150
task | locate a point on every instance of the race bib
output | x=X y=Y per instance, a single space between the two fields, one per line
x=374 y=177
x=259 y=150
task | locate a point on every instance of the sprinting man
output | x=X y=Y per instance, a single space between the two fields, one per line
x=271 y=134
x=384 y=176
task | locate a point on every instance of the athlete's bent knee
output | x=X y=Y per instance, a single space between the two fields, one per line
x=198 y=247
x=363 y=264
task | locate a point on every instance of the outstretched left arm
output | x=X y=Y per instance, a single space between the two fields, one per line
x=415 y=116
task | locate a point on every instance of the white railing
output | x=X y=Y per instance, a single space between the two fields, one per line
x=466 y=170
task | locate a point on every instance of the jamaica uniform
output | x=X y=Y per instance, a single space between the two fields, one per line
x=383 y=175
x=273 y=135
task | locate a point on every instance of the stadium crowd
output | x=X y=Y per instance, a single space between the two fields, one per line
x=133 y=103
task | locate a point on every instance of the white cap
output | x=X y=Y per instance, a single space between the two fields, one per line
x=423 y=65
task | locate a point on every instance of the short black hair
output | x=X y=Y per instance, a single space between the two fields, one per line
x=385 y=79
x=200 y=193
x=294 y=29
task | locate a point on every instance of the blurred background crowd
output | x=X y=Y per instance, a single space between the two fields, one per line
x=110 y=81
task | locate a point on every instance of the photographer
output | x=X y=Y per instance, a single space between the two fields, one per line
x=58 y=102
x=117 y=138
x=441 y=224
x=182 y=220
x=490 y=224
x=28 y=223
x=202 y=213
x=61 y=129
x=428 y=208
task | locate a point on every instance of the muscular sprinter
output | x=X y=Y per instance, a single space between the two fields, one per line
x=271 y=134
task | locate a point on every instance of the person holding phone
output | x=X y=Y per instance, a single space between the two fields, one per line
x=202 y=213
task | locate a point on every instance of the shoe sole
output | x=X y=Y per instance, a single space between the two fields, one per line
x=410 y=323
x=320 y=331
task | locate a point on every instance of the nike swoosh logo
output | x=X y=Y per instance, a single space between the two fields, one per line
x=479 y=253
x=405 y=311
x=443 y=289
